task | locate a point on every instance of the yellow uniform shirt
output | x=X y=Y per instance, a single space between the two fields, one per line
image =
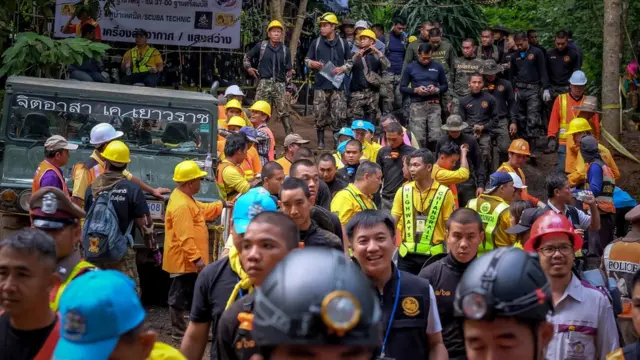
x=500 y=237
x=187 y=237
x=155 y=60
x=162 y=351
x=578 y=175
x=421 y=203
x=82 y=179
x=370 y=150
x=286 y=165
x=347 y=202
x=449 y=177
x=233 y=180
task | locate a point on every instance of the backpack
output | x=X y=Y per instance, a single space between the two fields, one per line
x=101 y=237
x=263 y=47
x=607 y=286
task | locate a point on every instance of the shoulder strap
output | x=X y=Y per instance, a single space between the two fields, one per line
x=316 y=49
x=263 y=47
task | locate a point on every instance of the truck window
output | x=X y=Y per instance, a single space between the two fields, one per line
x=145 y=127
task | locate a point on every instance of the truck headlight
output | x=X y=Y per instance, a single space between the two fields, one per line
x=8 y=197
x=23 y=200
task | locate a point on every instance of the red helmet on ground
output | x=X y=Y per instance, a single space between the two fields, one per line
x=552 y=223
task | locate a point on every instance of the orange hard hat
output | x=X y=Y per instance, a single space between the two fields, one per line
x=520 y=146
x=552 y=223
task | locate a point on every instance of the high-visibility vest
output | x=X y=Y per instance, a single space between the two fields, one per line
x=339 y=163
x=358 y=200
x=490 y=216
x=506 y=167
x=605 y=199
x=223 y=188
x=92 y=166
x=80 y=25
x=54 y=297
x=425 y=246
x=141 y=66
x=272 y=143
x=41 y=170
x=47 y=349
x=564 y=124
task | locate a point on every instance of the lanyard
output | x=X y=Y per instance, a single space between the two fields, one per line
x=393 y=313
x=240 y=295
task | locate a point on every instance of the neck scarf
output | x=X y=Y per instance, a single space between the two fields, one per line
x=244 y=283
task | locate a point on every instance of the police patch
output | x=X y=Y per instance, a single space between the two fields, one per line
x=485 y=104
x=74 y=326
x=500 y=88
x=567 y=58
x=410 y=306
x=485 y=207
x=49 y=203
x=530 y=56
x=94 y=245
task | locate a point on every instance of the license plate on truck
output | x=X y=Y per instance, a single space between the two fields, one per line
x=156 y=208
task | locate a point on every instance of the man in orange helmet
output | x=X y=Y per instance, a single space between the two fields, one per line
x=519 y=152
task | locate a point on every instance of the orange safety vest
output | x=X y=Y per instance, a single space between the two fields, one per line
x=47 y=349
x=564 y=122
x=95 y=170
x=605 y=199
x=41 y=170
x=272 y=143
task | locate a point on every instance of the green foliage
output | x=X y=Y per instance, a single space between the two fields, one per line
x=37 y=55
x=374 y=13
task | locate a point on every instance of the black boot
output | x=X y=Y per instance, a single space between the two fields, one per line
x=320 y=133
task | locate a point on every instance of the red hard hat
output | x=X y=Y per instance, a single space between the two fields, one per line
x=552 y=223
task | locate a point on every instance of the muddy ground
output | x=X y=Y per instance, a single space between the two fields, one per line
x=158 y=314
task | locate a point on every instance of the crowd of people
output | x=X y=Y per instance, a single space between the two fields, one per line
x=404 y=243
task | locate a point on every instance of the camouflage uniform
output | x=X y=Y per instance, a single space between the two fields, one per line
x=390 y=92
x=274 y=92
x=330 y=109
x=127 y=266
x=364 y=105
x=424 y=116
x=460 y=75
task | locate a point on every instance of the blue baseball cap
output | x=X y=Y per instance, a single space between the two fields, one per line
x=345 y=131
x=254 y=202
x=496 y=179
x=369 y=127
x=358 y=125
x=251 y=133
x=95 y=310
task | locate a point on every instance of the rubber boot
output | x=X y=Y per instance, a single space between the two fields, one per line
x=320 y=134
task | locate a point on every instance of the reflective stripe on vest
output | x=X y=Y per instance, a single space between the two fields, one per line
x=56 y=293
x=424 y=247
x=358 y=199
x=41 y=170
x=564 y=124
x=489 y=221
x=141 y=66
x=605 y=199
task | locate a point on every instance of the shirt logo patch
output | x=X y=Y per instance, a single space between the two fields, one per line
x=94 y=245
x=246 y=321
x=530 y=56
x=485 y=208
x=567 y=58
x=410 y=306
x=500 y=88
x=485 y=104
x=75 y=326
x=443 y=292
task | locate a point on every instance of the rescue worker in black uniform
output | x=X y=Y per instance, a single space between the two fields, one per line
x=528 y=74
x=506 y=126
x=327 y=304
x=464 y=234
x=562 y=61
x=504 y=298
x=280 y=232
x=480 y=110
x=412 y=328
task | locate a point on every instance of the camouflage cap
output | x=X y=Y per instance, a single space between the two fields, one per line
x=454 y=123
x=490 y=67
x=52 y=209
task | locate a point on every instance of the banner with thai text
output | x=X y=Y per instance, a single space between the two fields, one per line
x=198 y=23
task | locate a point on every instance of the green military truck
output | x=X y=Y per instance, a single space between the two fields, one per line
x=161 y=128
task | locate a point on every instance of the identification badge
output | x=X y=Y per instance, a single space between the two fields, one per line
x=421 y=221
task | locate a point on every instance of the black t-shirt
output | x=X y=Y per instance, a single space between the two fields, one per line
x=213 y=288
x=337 y=184
x=18 y=344
x=323 y=197
x=390 y=160
x=234 y=340
x=128 y=201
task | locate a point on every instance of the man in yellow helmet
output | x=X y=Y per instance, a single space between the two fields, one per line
x=144 y=62
x=54 y=213
x=129 y=204
x=329 y=101
x=272 y=68
x=186 y=250
x=575 y=166
x=260 y=115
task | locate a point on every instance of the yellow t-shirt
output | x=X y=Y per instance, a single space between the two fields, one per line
x=286 y=165
x=449 y=177
x=370 y=150
x=578 y=174
x=345 y=204
x=421 y=203
x=233 y=180
x=500 y=237
x=162 y=351
x=81 y=179
x=155 y=60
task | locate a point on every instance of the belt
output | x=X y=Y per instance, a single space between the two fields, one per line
x=426 y=101
x=528 y=86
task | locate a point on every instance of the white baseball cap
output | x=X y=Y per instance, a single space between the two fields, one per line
x=517 y=181
x=233 y=90
x=361 y=24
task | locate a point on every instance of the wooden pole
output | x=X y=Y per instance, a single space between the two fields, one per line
x=297 y=30
x=612 y=53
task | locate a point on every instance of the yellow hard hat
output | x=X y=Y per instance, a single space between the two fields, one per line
x=187 y=170
x=412 y=38
x=275 y=23
x=328 y=17
x=233 y=104
x=237 y=121
x=578 y=125
x=261 y=106
x=368 y=33
x=117 y=152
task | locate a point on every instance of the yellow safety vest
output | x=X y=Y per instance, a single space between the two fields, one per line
x=564 y=124
x=358 y=200
x=54 y=302
x=141 y=66
x=424 y=247
x=490 y=220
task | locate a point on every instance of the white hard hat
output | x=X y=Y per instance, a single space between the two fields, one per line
x=233 y=90
x=517 y=181
x=578 y=78
x=103 y=133
x=361 y=24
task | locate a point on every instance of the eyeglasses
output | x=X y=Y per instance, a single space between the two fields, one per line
x=551 y=250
